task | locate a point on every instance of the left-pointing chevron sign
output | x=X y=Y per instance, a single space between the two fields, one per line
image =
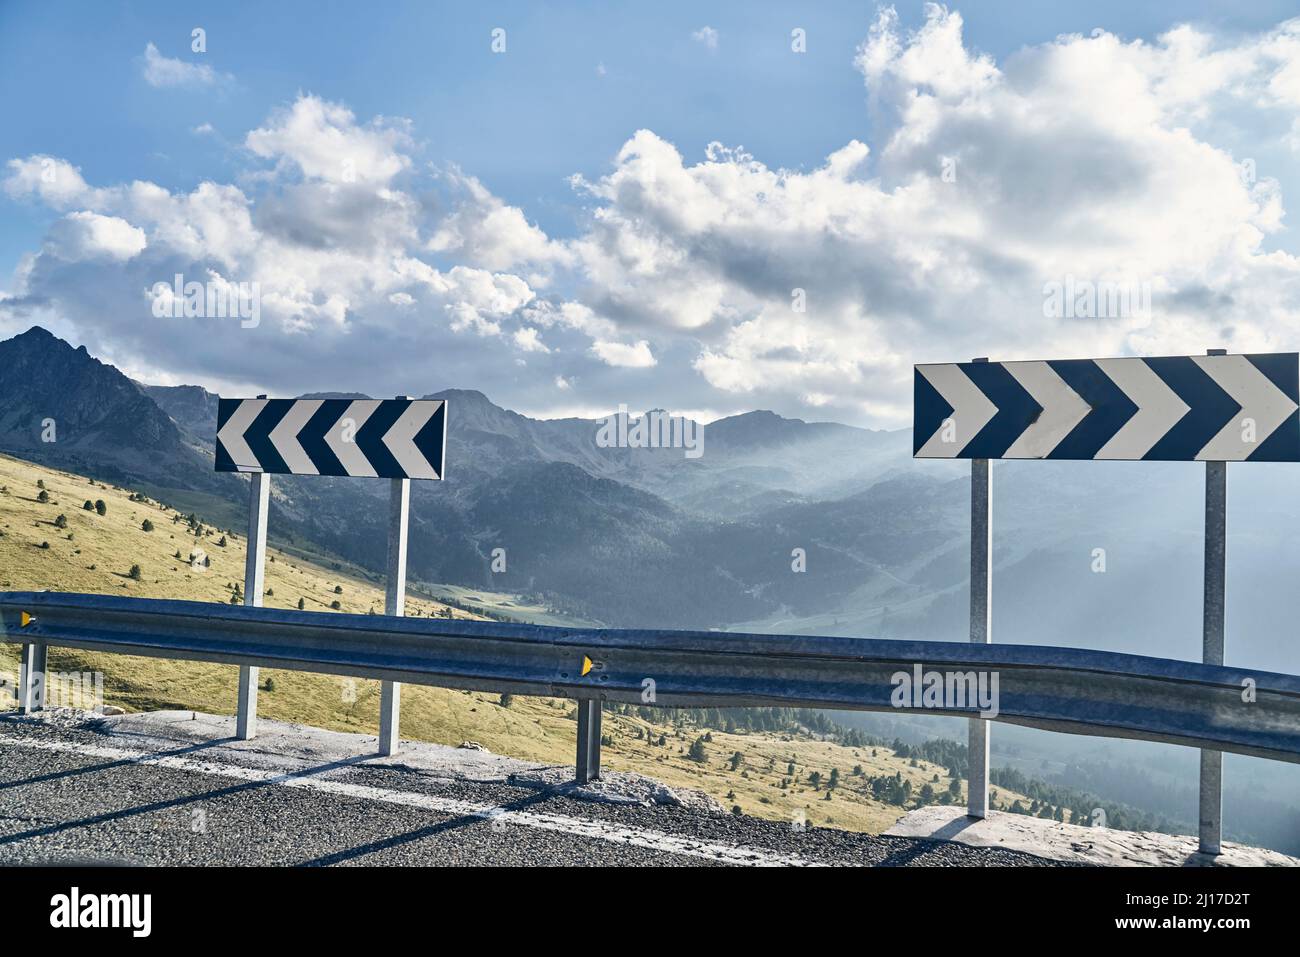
x=384 y=438
x=1175 y=409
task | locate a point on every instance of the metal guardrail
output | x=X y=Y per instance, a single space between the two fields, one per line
x=1058 y=689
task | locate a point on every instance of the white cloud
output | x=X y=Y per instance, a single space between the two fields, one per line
x=480 y=298
x=707 y=36
x=636 y=355
x=84 y=235
x=485 y=231
x=1077 y=157
x=345 y=294
x=48 y=178
x=527 y=339
x=162 y=71
x=324 y=142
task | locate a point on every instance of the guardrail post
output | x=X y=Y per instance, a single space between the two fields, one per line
x=259 y=496
x=1216 y=555
x=981 y=624
x=390 y=692
x=588 y=763
x=31 y=678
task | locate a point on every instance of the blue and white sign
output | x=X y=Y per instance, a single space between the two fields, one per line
x=385 y=438
x=1230 y=408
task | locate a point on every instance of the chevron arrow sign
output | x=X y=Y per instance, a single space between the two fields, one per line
x=1234 y=408
x=384 y=438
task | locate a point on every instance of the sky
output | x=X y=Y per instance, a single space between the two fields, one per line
x=707 y=208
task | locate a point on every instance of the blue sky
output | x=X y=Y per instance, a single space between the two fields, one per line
x=522 y=122
x=574 y=85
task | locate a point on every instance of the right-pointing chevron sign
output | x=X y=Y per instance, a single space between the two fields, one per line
x=388 y=438
x=1177 y=409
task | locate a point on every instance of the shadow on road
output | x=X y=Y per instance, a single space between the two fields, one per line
x=126 y=813
x=339 y=857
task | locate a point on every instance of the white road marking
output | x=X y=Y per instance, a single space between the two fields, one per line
x=579 y=827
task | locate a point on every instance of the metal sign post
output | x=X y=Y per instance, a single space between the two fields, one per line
x=259 y=495
x=31 y=679
x=981 y=624
x=390 y=692
x=1216 y=554
x=587 y=766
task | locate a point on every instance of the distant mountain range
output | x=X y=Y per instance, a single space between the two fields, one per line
x=624 y=536
x=1087 y=554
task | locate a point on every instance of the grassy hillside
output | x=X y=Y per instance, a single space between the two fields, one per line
x=89 y=552
x=505 y=606
x=93 y=553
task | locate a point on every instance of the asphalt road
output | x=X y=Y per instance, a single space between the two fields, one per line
x=70 y=795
